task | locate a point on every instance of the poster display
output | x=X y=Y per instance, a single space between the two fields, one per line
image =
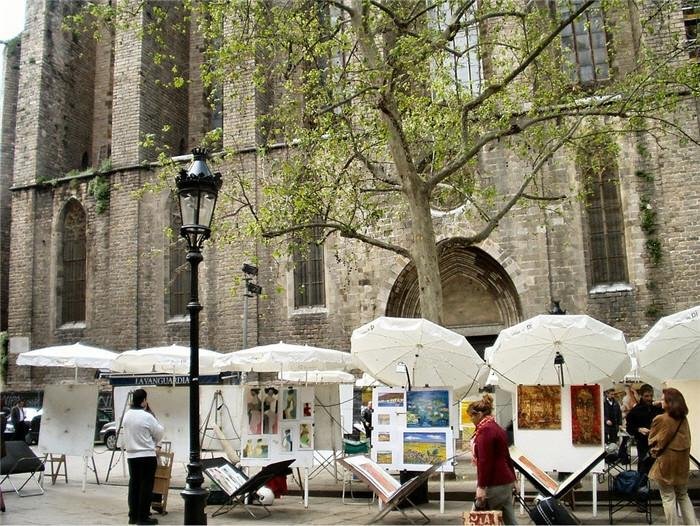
x=586 y=415
x=278 y=424
x=539 y=407
x=412 y=429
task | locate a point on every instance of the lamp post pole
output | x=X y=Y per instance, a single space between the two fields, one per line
x=197 y=192
x=195 y=496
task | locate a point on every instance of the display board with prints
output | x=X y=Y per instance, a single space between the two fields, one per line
x=412 y=429
x=278 y=424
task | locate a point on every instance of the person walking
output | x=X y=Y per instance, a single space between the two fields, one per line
x=669 y=443
x=639 y=423
x=17 y=415
x=494 y=468
x=143 y=433
x=613 y=416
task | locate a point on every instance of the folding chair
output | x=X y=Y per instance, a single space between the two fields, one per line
x=240 y=489
x=19 y=459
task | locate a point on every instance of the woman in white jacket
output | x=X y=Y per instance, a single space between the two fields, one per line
x=143 y=433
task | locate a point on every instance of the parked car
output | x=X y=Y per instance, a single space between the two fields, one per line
x=108 y=435
x=35 y=426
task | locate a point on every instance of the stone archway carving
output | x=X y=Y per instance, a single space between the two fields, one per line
x=479 y=296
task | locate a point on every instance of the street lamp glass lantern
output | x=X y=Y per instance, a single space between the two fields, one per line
x=197 y=189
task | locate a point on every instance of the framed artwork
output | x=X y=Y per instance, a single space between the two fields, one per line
x=428 y=408
x=307 y=411
x=289 y=402
x=586 y=415
x=306 y=436
x=383 y=419
x=385 y=457
x=270 y=407
x=254 y=410
x=394 y=399
x=256 y=448
x=383 y=437
x=423 y=447
x=381 y=481
x=288 y=441
x=539 y=407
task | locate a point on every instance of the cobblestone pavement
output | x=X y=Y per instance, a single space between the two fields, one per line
x=66 y=503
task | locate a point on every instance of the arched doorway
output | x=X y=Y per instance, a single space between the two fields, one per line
x=479 y=298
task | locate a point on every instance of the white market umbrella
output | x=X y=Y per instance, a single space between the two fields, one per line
x=75 y=355
x=282 y=357
x=671 y=348
x=173 y=359
x=593 y=352
x=317 y=377
x=432 y=355
x=368 y=380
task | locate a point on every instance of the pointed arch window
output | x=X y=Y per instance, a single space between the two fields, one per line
x=605 y=228
x=179 y=277
x=73 y=264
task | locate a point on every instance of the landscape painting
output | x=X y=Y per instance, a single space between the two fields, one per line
x=390 y=399
x=430 y=408
x=385 y=457
x=424 y=447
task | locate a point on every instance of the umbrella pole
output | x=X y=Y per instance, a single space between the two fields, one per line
x=76 y=374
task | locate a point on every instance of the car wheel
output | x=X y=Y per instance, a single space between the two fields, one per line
x=111 y=441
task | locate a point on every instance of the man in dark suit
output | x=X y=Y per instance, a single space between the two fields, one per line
x=17 y=418
x=613 y=416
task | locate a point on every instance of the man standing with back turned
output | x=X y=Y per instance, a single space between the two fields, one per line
x=142 y=435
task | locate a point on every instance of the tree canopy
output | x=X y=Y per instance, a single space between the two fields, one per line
x=384 y=106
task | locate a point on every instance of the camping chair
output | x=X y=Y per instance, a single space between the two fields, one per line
x=636 y=492
x=352 y=447
x=238 y=487
x=20 y=459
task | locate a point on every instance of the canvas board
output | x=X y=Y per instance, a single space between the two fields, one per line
x=171 y=407
x=68 y=419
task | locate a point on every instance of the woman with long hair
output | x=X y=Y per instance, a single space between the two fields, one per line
x=669 y=443
x=494 y=468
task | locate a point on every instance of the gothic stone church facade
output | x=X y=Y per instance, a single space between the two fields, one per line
x=83 y=259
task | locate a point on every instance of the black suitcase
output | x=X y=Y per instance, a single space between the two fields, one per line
x=549 y=511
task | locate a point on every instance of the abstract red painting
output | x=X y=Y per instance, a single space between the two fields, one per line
x=585 y=415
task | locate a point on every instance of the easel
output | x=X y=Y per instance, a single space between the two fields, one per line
x=325 y=462
x=217 y=405
x=61 y=461
x=127 y=403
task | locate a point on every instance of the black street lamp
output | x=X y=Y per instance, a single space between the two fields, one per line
x=197 y=190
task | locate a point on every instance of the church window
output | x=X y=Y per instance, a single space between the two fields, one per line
x=605 y=228
x=585 y=43
x=73 y=260
x=179 y=282
x=309 y=282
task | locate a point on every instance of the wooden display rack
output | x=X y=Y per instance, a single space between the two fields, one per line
x=162 y=480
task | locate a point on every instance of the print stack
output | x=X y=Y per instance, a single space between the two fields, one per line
x=278 y=424
x=412 y=429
